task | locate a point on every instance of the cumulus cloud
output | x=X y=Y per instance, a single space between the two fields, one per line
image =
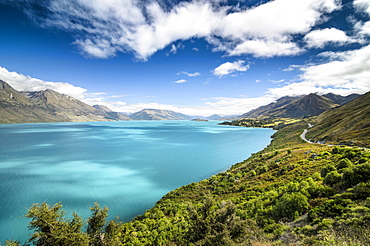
x=362 y=5
x=344 y=73
x=22 y=82
x=104 y=27
x=266 y=48
x=363 y=29
x=180 y=81
x=229 y=68
x=319 y=38
x=189 y=74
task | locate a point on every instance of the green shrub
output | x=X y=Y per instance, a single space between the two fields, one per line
x=253 y=173
x=344 y=163
x=329 y=168
x=349 y=177
x=289 y=205
x=316 y=176
x=363 y=171
x=361 y=191
x=336 y=150
x=320 y=191
x=356 y=175
x=325 y=224
x=325 y=154
x=332 y=178
x=330 y=209
x=363 y=160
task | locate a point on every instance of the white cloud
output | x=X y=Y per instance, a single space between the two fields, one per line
x=98 y=48
x=345 y=73
x=363 y=30
x=235 y=106
x=276 y=19
x=104 y=27
x=22 y=82
x=362 y=5
x=319 y=38
x=190 y=74
x=183 y=21
x=291 y=68
x=266 y=48
x=230 y=67
x=180 y=81
x=277 y=81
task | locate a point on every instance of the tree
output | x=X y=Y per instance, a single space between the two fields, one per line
x=96 y=223
x=218 y=224
x=53 y=229
x=344 y=163
x=291 y=205
x=332 y=178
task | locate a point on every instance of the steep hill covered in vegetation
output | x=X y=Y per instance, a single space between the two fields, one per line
x=348 y=124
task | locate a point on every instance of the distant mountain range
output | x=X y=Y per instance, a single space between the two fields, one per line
x=109 y=114
x=158 y=114
x=51 y=106
x=299 y=107
x=48 y=106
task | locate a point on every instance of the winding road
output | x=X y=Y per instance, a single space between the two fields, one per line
x=303 y=135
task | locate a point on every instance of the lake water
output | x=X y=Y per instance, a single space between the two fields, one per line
x=127 y=166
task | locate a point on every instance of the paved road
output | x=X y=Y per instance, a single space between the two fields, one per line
x=303 y=136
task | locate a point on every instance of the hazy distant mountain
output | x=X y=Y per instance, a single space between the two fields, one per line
x=347 y=124
x=299 y=107
x=109 y=114
x=214 y=117
x=157 y=114
x=44 y=106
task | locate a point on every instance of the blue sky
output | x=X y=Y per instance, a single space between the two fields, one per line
x=198 y=57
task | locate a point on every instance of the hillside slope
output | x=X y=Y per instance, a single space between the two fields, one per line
x=264 y=111
x=299 y=107
x=46 y=106
x=306 y=106
x=341 y=100
x=109 y=114
x=348 y=124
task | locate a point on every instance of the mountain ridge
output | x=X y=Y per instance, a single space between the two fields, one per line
x=158 y=114
x=299 y=106
x=348 y=124
x=46 y=106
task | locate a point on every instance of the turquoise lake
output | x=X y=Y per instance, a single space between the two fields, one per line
x=127 y=165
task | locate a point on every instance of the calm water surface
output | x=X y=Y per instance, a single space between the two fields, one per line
x=127 y=166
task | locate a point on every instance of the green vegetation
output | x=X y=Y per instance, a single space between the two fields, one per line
x=346 y=125
x=265 y=123
x=291 y=193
